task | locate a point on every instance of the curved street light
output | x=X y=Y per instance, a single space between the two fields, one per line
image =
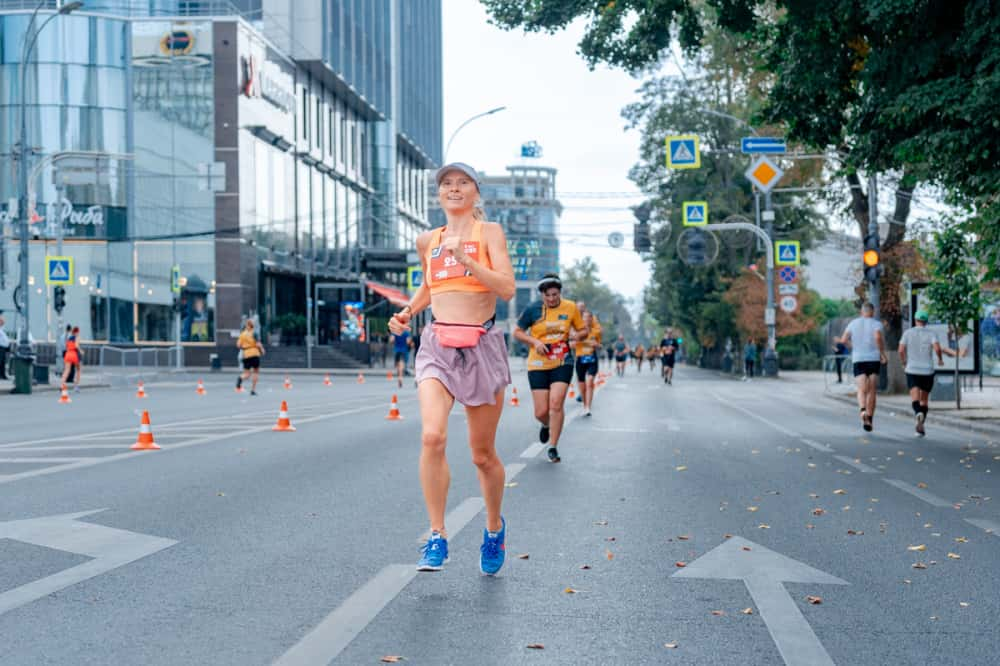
x=24 y=347
x=475 y=117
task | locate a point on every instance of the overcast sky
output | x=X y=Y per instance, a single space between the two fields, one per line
x=573 y=113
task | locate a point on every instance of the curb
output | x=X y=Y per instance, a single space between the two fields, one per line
x=959 y=423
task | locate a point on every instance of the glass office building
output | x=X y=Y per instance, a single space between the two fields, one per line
x=184 y=160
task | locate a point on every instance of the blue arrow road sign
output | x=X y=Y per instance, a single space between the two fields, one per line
x=762 y=144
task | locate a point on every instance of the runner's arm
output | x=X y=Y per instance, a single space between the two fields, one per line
x=880 y=341
x=500 y=278
x=902 y=352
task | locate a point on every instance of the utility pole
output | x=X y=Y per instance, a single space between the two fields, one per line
x=770 y=354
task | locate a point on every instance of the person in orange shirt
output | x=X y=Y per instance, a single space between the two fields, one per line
x=462 y=356
x=587 y=352
x=549 y=327
x=252 y=351
x=72 y=359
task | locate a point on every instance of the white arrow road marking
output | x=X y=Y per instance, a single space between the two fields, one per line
x=110 y=548
x=764 y=572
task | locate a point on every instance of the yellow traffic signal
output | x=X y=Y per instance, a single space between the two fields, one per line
x=871 y=258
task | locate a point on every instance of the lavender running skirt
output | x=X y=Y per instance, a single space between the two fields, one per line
x=473 y=375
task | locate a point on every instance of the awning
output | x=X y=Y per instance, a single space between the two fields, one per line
x=393 y=295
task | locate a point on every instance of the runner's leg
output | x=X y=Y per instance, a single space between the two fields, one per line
x=588 y=396
x=435 y=405
x=483 y=422
x=256 y=375
x=872 y=381
x=557 y=415
x=540 y=399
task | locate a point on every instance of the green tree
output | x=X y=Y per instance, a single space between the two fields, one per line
x=954 y=290
x=581 y=282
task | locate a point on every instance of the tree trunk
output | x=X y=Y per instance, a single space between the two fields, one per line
x=958 y=386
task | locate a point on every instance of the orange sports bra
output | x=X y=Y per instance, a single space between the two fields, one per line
x=444 y=273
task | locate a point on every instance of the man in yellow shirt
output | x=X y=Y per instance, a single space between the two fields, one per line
x=549 y=327
x=252 y=350
x=587 y=352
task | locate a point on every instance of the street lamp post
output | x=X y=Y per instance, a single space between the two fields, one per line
x=475 y=117
x=23 y=346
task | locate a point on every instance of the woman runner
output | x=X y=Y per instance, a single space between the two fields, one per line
x=621 y=355
x=549 y=326
x=252 y=351
x=652 y=354
x=72 y=360
x=462 y=356
x=640 y=356
x=587 y=352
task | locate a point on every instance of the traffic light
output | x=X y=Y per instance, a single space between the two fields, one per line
x=872 y=258
x=641 y=240
x=59 y=299
x=697 y=247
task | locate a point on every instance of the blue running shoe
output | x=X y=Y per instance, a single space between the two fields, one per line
x=435 y=553
x=493 y=551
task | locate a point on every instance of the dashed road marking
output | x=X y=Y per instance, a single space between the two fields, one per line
x=985 y=525
x=777 y=426
x=816 y=445
x=533 y=450
x=857 y=464
x=919 y=493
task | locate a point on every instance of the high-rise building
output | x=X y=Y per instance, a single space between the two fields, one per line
x=230 y=160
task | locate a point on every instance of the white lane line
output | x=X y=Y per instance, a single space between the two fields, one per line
x=919 y=493
x=64 y=447
x=777 y=426
x=857 y=464
x=513 y=470
x=90 y=462
x=339 y=628
x=816 y=445
x=986 y=525
x=40 y=460
x=626 y=430
x=533 y=450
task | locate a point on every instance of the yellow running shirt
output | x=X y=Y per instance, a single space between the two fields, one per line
x=551 y=326
x=588 y=348
x=248 y=343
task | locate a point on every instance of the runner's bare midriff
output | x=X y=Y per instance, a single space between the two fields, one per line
x=457 y=307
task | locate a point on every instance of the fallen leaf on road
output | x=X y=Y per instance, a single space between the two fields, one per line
x=846 y=508
x=220 y=494
x=569 y=590
x=810 y=465
x=921 y=485
x=727 y=536
x=839 y=491
x=718 y=613
x=680 y=565
x=535 y=646
x=818 y=511
x=747 y=611
x=928 y=525
x=919 y=459
x=672 y=646
x=756 y=451
x=523 y=556
x=585 y=567
x=854 y=532
x=814 y=600
x=963 y=604
x=907 y=581
x=954 y=556
x=611 y=539
x=919 y=565
x=392 y=659
x=934 y=617
x=512 y=484
x=921 y=548
x=764 y=526
x=746 y=547
x=814 y=495
x=680 y=468
x=810 y=526
x=773 y=492
x=752 y=508
x=601 y=522
x=610 y=555
x=683 y=537
x=961 y=540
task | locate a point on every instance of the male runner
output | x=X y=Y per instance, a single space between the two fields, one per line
x=865 y=337
x=917 y=350
x=621 y=355
x=401 y=347
x=668 y=350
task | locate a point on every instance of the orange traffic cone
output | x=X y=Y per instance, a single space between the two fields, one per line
x=145 y=441
x=394 y=414
x=288 y=383
x=388 y=376
x=361 y=378
x=283 y=424
x=514 y=402
x=572 y=393
x=141 y=393
x=201 y=388
x=64 y=396
x=326 y=381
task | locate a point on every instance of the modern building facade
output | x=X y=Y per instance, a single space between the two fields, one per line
x=524 y=201
x=215 y=144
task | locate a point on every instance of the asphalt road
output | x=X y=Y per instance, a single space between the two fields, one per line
x=700 y=515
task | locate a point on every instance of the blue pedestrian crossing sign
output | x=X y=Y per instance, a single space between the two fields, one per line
x=786 y=253
x=683 y=151
x=59 y=270
x=414 y=277
x=695 y=213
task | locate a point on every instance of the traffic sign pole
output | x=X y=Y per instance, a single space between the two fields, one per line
x=770 y=367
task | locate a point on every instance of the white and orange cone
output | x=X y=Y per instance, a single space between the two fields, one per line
x=326 y=381
x=201 y=388
x=64 y=396
x=145 y=441
x=394 y=414
x=361 y=378
x=283 y=424
x=514 y=402
x=141 y=392
x=572 y=393
x=388 y=376
x=288 y=383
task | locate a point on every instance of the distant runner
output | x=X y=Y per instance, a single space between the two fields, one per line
x=621 y=355
x=587 y=352
x=917 y=350
x=865 y=337
x=640 y=356
x=549 y=326
x=668 y=350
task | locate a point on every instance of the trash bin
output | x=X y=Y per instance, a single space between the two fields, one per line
x=22 y=374
x=215 y=363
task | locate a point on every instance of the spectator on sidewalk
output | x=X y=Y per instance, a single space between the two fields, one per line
x=749 y=358
x=4 y=348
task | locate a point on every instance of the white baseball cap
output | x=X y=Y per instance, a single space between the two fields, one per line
x=457 y=166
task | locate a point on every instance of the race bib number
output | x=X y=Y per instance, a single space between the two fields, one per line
x=444 y=265
x=558 y=351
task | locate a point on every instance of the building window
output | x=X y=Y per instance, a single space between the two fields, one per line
x=331 y=128
x=305 y=114
x=319 y=123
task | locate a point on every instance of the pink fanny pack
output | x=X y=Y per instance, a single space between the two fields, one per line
x=458 y=336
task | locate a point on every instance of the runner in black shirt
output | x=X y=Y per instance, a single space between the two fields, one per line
x=668 y=350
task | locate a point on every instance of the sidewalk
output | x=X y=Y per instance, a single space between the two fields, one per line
x=980 y=409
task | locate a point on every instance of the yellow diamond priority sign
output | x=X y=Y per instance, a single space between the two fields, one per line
x=764 y=173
